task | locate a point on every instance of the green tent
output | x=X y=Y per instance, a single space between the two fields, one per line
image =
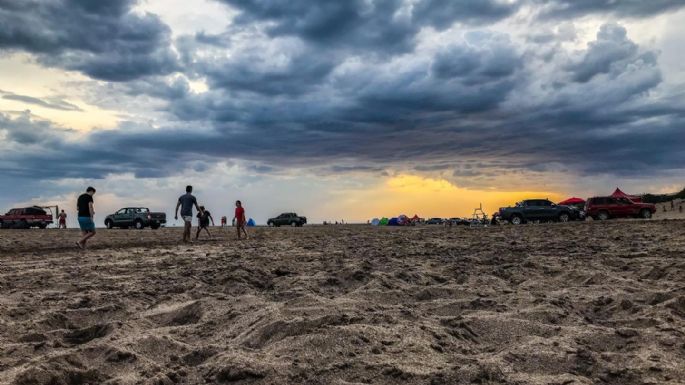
x=384 y=222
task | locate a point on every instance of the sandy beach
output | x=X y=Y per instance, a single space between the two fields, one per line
x=578 y=303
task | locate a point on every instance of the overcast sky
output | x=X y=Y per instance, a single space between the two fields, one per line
x=339 y=109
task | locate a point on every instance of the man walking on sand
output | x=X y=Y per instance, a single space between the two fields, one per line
x=239 y=219
x=186 y=203
x=84 y=205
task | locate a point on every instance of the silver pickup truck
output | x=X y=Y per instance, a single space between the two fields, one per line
x=136 y=217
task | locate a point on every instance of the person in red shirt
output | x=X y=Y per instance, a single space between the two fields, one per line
x=239 y=218
x=62 y=220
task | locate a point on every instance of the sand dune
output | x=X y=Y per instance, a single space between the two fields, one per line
x=670 y=210
x=579 y=303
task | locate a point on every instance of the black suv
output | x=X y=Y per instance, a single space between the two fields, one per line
x=537 y=210
x=287 y=219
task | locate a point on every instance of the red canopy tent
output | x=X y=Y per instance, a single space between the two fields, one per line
x=620 y=194
x=572 y=201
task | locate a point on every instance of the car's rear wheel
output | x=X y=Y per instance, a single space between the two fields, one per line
x=155 y=226
x=43 y=225
x=139 y=224
x=564 y=217
x=602 y=215
x=293 y=224
x=645 y=214
x=270 y=224
x=516 y=220
x=109 y=224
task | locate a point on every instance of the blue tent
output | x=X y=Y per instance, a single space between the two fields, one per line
x=251 y=223
x=394 y=222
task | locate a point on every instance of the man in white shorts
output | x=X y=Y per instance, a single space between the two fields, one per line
x=186 y=203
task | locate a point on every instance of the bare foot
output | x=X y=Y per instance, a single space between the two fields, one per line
x=80 y=246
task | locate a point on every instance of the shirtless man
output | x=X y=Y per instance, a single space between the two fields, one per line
x=62 y=220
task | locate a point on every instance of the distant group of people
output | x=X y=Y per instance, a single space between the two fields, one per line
x=186 y=203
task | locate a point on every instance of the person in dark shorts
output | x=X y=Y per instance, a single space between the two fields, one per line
x=203 y=218
x=186 y=203
x=239 y=219
x=84 y=205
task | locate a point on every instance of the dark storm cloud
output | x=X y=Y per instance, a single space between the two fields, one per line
x=486 y=57
x=102 y=39
x=255 y=71
x=611 y=47
x=443 y=13
x=387 y=25
x=52 y=103
x=629 y=8
x=305 y=89
x=347 y=86
x=330 y=22
x=26 y=130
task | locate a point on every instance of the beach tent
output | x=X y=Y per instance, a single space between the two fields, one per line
x=394 y=222
x=384 y=222
x=375 y=222
x=402 y=220
x=620 y=194
x=251 y=222
x=572 y=201
x=415 y=218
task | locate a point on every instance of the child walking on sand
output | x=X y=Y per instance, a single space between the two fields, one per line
x=62 y=220
x=203 y=218
x=239 y=219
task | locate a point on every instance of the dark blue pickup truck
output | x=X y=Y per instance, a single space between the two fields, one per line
x=541 y=210
x=137 y=217
x=287 y=219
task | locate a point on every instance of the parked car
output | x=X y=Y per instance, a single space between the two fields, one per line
x=24 y=218
x=458 y=221
x=603 y=208
x=138 y=217
x=537 y=210
x=435 y=221
x=287 y=219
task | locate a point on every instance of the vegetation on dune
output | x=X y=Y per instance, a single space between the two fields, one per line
x=660 y=198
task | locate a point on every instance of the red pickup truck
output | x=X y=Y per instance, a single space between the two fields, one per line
x=26 y=218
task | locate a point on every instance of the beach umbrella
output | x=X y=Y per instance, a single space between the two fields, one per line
x=572 y=201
